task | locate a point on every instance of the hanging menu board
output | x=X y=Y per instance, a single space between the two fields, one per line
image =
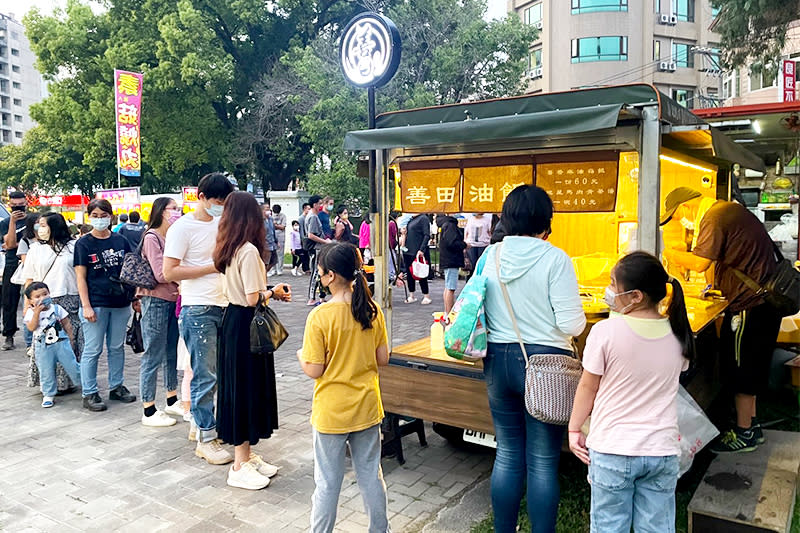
x=579 y=186
x=426 y=189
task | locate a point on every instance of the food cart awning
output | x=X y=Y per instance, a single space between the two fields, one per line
x=517 y=126
x=546 y=115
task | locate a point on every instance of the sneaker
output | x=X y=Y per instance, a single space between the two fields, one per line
x=8 y=344
x=313 y=303
x=94 y=402
x=159 y=420
x=735 y=441
x=187 y=416
x=47 y=401
x=176 y=409
x=29 y=351
x=192 y=431
x=247 y=477
x=263 y=467
x=213 y=452
x=271 y=272
x=294 y=271
x=122 y=394
x=758 y=432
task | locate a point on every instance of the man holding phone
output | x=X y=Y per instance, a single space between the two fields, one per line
x=11 y=229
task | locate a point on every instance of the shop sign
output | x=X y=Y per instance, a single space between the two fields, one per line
x=584 y=186
x=66 y=200
x=128 y=106
x=122 y=200
x=370 y=50
x=190 y=195
x=787 y=81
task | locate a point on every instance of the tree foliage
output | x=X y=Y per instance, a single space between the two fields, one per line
x=753 y=30
x=247 y=86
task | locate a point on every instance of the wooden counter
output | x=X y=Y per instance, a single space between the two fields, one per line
x=446 y=390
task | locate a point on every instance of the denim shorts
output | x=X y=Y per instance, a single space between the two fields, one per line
x=451 y=279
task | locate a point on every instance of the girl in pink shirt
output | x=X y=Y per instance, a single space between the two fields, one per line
x=631 y=366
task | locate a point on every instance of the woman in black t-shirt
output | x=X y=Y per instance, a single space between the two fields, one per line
x=105 y=305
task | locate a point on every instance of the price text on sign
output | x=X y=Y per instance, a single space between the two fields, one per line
x=577 y=187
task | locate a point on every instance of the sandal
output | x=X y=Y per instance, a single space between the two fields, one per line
x=426 y=301
x=411 y=300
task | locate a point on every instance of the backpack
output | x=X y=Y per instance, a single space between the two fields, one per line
x=465 y=337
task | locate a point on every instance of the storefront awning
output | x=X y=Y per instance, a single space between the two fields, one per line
x=527 y=125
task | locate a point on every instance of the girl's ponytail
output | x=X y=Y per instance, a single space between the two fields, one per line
x=344 y=260
x=363 y=308
x=679 y=320
x=644 y=272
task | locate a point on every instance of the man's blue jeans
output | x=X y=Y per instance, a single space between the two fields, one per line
x=47 y=355
x=527 y=449
x=110 y=326
x=638 y=490
x=200 y=326
x=160 y=334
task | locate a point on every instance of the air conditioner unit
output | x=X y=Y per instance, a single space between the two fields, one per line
x=663 y=66
x=664 y=19
x=673 y=20
x=535 y=73
x=538 y=25
x=672 y=67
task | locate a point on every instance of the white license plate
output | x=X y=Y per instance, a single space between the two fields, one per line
x=483 y=439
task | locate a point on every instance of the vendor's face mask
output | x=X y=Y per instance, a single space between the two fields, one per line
x=610 y=298
x=688 y=224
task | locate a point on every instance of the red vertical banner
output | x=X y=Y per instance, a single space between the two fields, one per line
x=787 y=83
x=127 y=109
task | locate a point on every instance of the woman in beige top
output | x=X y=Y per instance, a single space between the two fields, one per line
x=247 y=406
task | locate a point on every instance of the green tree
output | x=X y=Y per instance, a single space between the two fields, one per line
x=450 y=54
x=753 y=30
x=200 y=59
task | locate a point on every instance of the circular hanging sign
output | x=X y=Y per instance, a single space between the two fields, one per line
x=370 y=50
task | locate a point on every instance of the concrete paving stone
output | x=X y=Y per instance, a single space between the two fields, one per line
x=206 y=526
x=418 y=507
x=399 y=521
x=455 y=489
x=145 y=522
x=162 y=480
x=404 y=476
x=348 y=526
x=258 y=513
x=356 y=503
x=414 y=491
x=398 y=501
x=434 y=495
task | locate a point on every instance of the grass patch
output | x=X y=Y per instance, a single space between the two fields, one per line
x=778 y=412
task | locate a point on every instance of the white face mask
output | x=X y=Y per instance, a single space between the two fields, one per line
x=688 y=224
x=214 y=210
x=610 y=298
x=100 y=224
x=43 y=233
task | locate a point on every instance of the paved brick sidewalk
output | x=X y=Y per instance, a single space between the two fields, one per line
x=66 y=469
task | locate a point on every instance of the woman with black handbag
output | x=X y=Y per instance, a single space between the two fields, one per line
x=49 y=259
x=159 y=322
x=247 y=406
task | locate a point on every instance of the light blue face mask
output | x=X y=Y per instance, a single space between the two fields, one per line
x=100 y=224
x=214 y=210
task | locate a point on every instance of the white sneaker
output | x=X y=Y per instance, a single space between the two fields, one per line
x=187 y=416
x=271 y=272
x=263 y=467
x=159 y=420
x=192 y=431
x=176 y=409
x=213 y=452
x=247 y=477
x=294 y=271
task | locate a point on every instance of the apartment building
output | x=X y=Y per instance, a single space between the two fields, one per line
x=586 y=43
x=759 y=84
x=20 y=83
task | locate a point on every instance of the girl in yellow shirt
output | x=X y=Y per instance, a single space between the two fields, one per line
x=344 y=343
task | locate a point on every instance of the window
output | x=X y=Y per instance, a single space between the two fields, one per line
x=533 y=14
x=535 y=59
x=15 y=68
x=5 y=102
x=18 y=134
x=591 y=6
x=763 y=77
x=599 y=49
x=714 y=12
x=3 y=67
x=18 y=101
x=656 y=50
x=14 y=52
x=16 y=85
x=4 y=86
x=683 y=55
x=6 y=136
x=684 y=97
x=684 y=10
x=17 y=118
x=730 y=87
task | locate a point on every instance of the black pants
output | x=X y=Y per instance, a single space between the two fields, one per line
x=295 y=259
x=10 y=301
x=423 y=283
x=474 y=254
x=314 y=285
x=302 y=257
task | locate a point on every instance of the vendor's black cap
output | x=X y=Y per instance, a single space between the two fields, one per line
x=675 y=199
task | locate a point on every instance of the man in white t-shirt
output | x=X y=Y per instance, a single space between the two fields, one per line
x=188 y=259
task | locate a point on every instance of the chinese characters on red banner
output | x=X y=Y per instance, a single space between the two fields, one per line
x=787 y=75
x=128 y=105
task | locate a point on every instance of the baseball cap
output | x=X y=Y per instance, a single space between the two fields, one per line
x=675 y=199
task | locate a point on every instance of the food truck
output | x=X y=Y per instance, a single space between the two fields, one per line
x=606 y=156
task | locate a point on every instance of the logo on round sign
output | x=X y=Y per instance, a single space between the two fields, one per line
x=370 y=50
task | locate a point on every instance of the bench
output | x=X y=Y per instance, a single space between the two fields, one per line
x=749 y=492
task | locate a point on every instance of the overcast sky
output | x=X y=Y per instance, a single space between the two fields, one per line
x=497 y=8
